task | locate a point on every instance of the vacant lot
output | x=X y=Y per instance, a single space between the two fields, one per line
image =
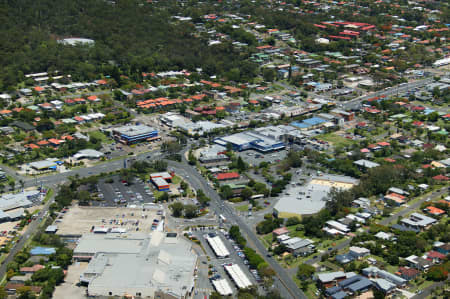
x=79 y=220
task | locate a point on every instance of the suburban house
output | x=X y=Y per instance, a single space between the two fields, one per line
x=418 y=221
x=408 y=273
x=419 y=263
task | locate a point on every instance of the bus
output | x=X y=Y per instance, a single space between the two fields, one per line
x=257 y=196
x=222 y=218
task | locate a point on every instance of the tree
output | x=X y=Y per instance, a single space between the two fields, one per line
x=202 y=198
x=190 y=211
x=438 y=272
x=247 y=193
x=191 y=158
x=160 y=165
x=305 y=271
x=84 y=198
x=3 y=293
x=25 y=293
x=292 y=221
x=269 y=74
x=226 y=192
x=12 y=184
x=163 y=197
x=177 y=209
x=240 y=164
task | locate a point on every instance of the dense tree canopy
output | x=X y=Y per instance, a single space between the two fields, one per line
x=129 y=39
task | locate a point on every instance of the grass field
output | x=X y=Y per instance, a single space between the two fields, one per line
x=336 y=140
x=99 y=135
x=242 y=208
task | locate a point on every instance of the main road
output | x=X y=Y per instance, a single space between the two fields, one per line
x=197 y=182
x=399 y=89
x=386 y=221
x=29 y=233
x=217 y=204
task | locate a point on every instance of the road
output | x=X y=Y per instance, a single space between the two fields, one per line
x=386 y=221
x=197 y=182
x=428 y=290
x=399 y=89
x=31 y=230
x=412 y=207
x=216 y=204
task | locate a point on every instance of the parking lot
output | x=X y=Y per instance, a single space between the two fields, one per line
x=236 y=257
x=254 y=157
x=121 y=193
x=80 y=220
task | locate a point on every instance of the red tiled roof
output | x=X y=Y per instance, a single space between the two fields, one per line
x=434 y=211
x=32 y=146
x=43 y=142
x=227 y=176
x=440 y=177
x=435 y=255
x=280 y=231
x=35 y=268
x=408 y=272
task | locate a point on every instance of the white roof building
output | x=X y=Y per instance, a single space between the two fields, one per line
x=160 y=264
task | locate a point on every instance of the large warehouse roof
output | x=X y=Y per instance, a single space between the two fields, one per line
x=164 y=264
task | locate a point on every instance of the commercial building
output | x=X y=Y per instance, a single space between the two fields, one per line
x=49 y=164
x=88 y=154
x=227 y=176
x=310 y=198
x=258 y=140
x=12 y=205
x=160 y=265
x=161 y=180
x=134 y=134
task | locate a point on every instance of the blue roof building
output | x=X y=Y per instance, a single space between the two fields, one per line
x=356 y=283
x=42 y=251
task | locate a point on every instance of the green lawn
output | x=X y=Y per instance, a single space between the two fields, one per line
x=335 y=139
x=176 y=179
x=424 y=284
x=242 y=208
x=311 y=289
x=99 y=135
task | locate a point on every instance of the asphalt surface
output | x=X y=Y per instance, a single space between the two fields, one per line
x=197 y=182
x=399 y=89
x=385 y=221
x=428 y=290
x=217 y=205
x=283 y=281
x=31 y=230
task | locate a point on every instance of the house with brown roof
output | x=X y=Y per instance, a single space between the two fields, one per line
x=408 y=273
x=11 y=288
x=33 y=269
